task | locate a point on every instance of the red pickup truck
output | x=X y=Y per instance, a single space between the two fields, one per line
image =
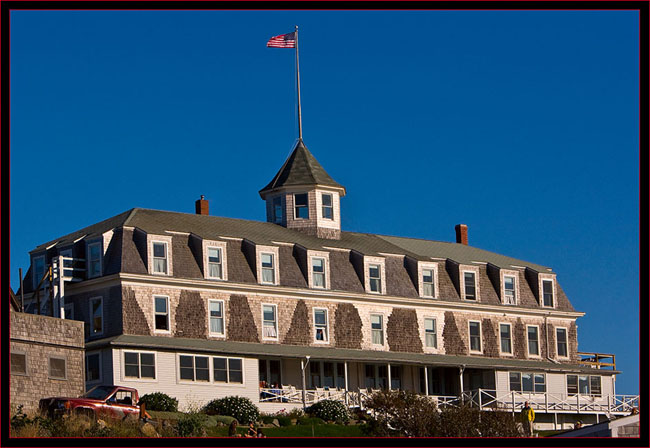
x=98 y=402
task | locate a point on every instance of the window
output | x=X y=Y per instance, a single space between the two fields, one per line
x=194 y=368
x=584 y=385
x=278 y=211
x=572 y=384
x=68 y=311
x=159 y=258
x=268 y=268
x=374 y=274
x=318 y=272
x=227 y=370
x=270 y=372
x=562 y=351
x=430 y=336
x=474 y=336
x=527 y=382
x=93 y=367
x=161 y=313
x=509 y=295
x=395 y=377
x=377 y=328
x=216 y=317
x=94 y=260
x=215 y=267
x=328 y=209
x=533 y=341
x=320 y=325
x=18 y=364
x=302 y=206
x=506 y=338
x=39 y=269
x=547 y=289
x=139 y=365
x=594 y=384
x=96 y=316
x=470 y=285
x=428 y=289
x=270 y=323
x=57 y=368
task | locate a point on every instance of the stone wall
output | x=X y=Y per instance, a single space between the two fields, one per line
x=39 y=338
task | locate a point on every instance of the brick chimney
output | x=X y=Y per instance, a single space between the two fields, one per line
x=461 y=234
x=202 y=206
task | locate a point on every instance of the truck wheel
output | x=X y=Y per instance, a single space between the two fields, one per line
x=87 y=413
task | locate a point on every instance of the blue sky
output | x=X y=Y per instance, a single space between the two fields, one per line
x=522 y=125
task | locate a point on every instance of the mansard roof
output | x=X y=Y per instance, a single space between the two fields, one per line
x=301 y=168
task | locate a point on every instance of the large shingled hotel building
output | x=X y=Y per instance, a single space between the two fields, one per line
x=294 y=310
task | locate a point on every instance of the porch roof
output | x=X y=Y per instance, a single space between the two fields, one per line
x=328 y=353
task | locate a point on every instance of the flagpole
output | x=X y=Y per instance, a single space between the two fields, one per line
x=298 y=83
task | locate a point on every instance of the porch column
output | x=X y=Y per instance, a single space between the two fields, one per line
x=461 y=369
x=426 y=380
x=345 y=373
x=304 y=386
x=389 y=385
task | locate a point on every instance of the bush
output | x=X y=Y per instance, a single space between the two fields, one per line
x=240 y=408
x=399 y=412
x=284 y=421
x=310 y=421
x=466 y=421
x=330 y=410
x=191 y=425
x=159 y=401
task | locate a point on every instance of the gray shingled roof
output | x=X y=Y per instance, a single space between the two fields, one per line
x=295 y=351
x=301 y=168
x=264 y=233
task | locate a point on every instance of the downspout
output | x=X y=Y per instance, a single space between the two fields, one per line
x=546 y=334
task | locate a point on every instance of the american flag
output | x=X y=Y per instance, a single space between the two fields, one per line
x=283 y=41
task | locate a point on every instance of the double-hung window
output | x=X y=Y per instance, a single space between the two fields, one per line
x=318 y=272
x=374 y=276
x=527 y=382
x=328 y=209
x=93 y=367
x=215 y=265
x=474 y=336
x=547 y=291
x=320 y=325
x=159 y=257
x=94 y=259
x=506 y=338
x=562 y=350
x=469 y=279
x=270 y=322
x=430 y=336
x=194 y=368
x=584 y=385
x=377 y=328
x=428 y=289
x=139 y=365
x=268 y=268
x=278 y=211
x=96 y=326
x=533 y=341
x=39 y=269
x=161 y=313
x=227 y=370
x=18 y=363
x=57 y=367
x=216 y=317
x=509 y=295
x=301 y=205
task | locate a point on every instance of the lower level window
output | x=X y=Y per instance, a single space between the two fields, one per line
x=139 y=365
x=18 y=364
x=228 y=370
x=584 y=385
x=194 y=368
x=528 y=382
x=57 y=368
x=92 y=367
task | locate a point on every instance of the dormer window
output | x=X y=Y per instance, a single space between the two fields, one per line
x=509 y=295
x=301 y=202
x=159 y=257
x=39 y=269
x=278 y=211
x=547 y=291
x=469 y=281
x=94 y=259
x=318 y=272
x=328 y=208
x=428 y=289
x=374 y=277
x=215 y=268
x=268 y=268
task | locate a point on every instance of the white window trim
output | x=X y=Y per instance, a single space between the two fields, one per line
x=327 y=325
x=277 y=330
x=101 y=256
x=34 y=277
x=539 y=343
x=26 y=355
x=140 y=380
x=325 y=256
x=223 y=317
x=167 y=239
x=424 y=332
x=557 y=343
x=434 y=268
x=90 y=316
x=153 y=258
x=367 y=261
x=259 y=250
x=321 y=215
x=221 y=383
x=521 y=382
x=194 y=356
x=224 y=259
x=169 y=314
x=515 y=275
x=480 y=333
x=512 y=342
x=295 y=215
x=383 y=330
x=476 y=283
x=542 y=279
x=65 y=360
x=603 y=394
x=88 y=354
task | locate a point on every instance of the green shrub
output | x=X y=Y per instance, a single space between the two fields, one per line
x=191 y=425
x=240 y=408
x=295 y=413
x=310 y=421
x=159 y=401
x=284 y=421
x=330 y=410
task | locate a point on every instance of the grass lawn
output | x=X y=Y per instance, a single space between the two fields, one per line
x=327 y=430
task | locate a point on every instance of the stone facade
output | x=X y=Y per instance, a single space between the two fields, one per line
x=40 y=338
x=402 y=331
